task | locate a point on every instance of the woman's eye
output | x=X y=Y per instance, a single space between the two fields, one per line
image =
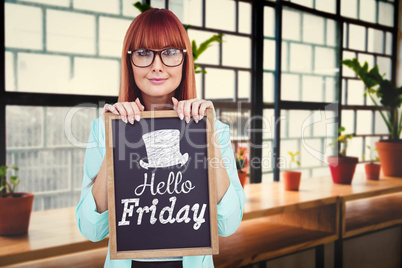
x=170 y=52
x=143 y=52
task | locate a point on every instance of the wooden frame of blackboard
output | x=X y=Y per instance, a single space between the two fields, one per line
x=172 y=252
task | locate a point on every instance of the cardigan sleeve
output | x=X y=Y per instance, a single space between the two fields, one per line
x=93 y=225
x=230 y=208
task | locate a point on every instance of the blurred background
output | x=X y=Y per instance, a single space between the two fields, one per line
x=62 y=64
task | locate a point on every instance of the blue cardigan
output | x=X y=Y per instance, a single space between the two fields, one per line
x=95 y=226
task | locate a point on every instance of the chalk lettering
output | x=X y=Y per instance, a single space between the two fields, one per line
x=128 y=210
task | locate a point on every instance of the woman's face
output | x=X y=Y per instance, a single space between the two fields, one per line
x=157 y=80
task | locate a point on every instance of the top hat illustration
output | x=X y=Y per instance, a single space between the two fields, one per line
x=163 y=149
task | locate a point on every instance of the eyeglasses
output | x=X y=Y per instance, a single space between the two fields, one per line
x=170 y=57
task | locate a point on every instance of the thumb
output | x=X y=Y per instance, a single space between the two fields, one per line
x=140 y=106
x=175 y=103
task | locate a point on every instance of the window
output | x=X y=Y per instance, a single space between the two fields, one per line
x=62 y=63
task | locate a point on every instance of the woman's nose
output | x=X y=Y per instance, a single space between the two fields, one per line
x=157 y=65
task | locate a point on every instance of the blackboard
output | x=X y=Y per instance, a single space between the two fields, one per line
x=161 y=186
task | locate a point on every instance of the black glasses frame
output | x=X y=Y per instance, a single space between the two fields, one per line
x=130 y=52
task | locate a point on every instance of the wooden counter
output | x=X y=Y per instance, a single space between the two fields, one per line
x=51 y=233
x=276 y=222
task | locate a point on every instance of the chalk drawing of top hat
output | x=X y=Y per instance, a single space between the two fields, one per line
x=163 y=149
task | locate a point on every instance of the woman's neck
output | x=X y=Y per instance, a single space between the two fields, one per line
x=152 y=103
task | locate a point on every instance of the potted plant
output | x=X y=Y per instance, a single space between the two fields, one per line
x=342 y=167
x=15 y=207
x=372 y=169
x=291 y=179
x=241 y=164
x=390 y=96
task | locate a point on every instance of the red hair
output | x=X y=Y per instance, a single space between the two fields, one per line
x=156 y=28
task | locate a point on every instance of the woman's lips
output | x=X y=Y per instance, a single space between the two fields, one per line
x=157 y=81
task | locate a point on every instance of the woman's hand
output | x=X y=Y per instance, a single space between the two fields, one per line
x=129 y=111
x=194 y=107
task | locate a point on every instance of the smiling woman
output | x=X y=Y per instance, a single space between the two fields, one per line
x=157 y=73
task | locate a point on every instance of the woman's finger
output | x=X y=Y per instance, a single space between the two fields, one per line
x=187 y=109
x=136 y=109
x=180 y=109
x=110 y=108
x=205 y=105
x=130 y=112
x=122 y=111
x=139 y=104
x=195 y=105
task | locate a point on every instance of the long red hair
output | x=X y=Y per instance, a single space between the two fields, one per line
x=156 y=28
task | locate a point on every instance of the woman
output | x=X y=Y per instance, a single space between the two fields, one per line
x=157 y=73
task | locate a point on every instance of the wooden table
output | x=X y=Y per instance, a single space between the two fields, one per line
x=276 y=222
x=51 y=233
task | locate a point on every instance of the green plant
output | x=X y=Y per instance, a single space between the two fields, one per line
x=390 y=96
x=293 y=159
x=372 y=157
x=343 y=142
x=12 y=182
x=197 y=50
x=141 y=6
x=241 y=158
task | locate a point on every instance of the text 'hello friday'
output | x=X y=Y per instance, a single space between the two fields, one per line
x=173 y=185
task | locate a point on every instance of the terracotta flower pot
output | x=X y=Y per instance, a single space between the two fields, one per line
x=242 y=178
x=390 y=154
x=15 y=213
x=291 y=180
x=342 y=168
x=372 y=171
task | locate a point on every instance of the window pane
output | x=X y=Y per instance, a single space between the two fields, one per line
x=216 y=10
x=386 y=14
x=312 y=88
x=384 y=65
x=269 y=88
x=313 y=29
x=192 y=12
x=345 y=70
x=362 y=57
x=367 y=10
x=349 y=8
x=49 y=163
x=388 y=44
x=10 y=75
x=375 y=40
x=111 y=36
x=357 y=37
x=300 y=58
x=312 y=58
x=348 y=120
x=355 y=92
x=26 y=33
x=77 y=36
x=244 y=17
x=244 y=79
x=269 y=55
x=364 y=123
x=292 y=18
x=219 y=84
x=98 y=6
x=306 y=3
x=326 y=5
x=236 y=51
x=269 y=22
x=209 y=56
x=158 y=3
